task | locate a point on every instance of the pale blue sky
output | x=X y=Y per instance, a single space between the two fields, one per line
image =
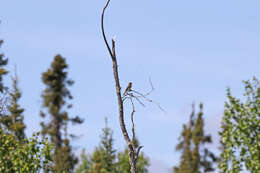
x=192 y=50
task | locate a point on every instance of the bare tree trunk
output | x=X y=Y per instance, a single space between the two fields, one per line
x=133 y=155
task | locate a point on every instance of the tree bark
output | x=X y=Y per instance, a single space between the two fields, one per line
x=132 y=153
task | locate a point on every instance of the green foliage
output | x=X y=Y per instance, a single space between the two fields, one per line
x=3 y=62
x=240 y=134
x=31 y=155
x=103 y=158
x=84 y=166
x=195 y=156
x=55 y=98
x=13 y=121
x=3 y=89
x=123 y=165
x=98 y=164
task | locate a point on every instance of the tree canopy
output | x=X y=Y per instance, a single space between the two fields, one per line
x=195 y=157
x=55 y=98
x=240 y=131
x=31 y=155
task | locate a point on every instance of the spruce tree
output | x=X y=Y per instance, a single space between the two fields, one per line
x=55 y=98
x=123 y=165
x=13 y=122
x=185 y=146
x=84 y=166
x=195 y=158
x=3 y=89
x=103 y=158
x=3 y=62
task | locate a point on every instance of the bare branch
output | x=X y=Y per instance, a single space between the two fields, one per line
x=117 y=82
x=138 y=152
x=130 y=94
x=144 y=96
x=113 y=48
x=132 y=118
x=138 y=100
x=103 y=30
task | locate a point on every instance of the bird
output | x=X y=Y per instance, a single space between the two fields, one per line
x=128 y=88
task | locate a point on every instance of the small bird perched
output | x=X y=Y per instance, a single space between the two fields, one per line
x=128 y=88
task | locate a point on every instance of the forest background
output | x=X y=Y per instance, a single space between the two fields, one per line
x=191 y=50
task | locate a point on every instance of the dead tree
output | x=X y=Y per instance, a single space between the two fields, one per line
x=129 y=94
x=133 y=153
